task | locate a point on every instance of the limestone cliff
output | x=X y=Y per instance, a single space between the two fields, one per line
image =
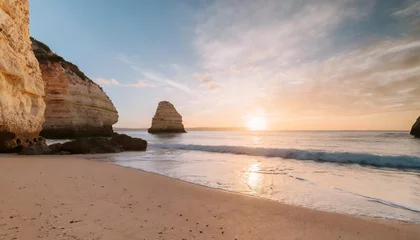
x=22 y=103
x=415 y=130
x=166 y=120
x=76 y=106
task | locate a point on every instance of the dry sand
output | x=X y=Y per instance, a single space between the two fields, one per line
x=72 y=198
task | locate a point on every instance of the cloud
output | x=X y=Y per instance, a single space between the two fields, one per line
x=382 y=75
x=410 y=14
x=104 y=81
x=113 y=82
x=140 y=84
x=156 y=77
x=207 y=80
x=290 y=56
x=412 y=10
x=124 y=58
x=213 y=86
x=273 y=31
x=176 y=67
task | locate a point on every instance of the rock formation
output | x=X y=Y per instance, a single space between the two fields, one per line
x=166 y=120
x=76 y=106
x=22 y=103
x=415 y=130
x=91 y=145
x=117 y=143
x=129 y=143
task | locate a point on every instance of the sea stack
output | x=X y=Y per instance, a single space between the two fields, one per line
x=166 y=119
x=76 y=106
x=22 y=103
x=415 y=130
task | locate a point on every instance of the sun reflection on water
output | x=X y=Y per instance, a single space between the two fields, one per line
x=256 y=140
x=253 y=177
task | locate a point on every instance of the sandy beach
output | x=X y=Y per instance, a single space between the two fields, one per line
x=69 y=197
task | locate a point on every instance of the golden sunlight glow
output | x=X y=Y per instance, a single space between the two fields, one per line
x=256 y=123
x=253 y=178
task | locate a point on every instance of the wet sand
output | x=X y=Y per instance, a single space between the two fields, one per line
x=69 y=197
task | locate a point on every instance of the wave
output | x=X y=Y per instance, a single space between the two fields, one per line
x=399 y=161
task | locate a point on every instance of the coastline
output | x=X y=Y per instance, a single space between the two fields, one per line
x=70 y=197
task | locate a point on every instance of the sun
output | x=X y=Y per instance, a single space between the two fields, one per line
x=256 y=123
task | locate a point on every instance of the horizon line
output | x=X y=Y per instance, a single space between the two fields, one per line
x=268 y=130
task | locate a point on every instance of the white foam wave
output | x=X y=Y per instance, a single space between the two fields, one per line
x=399 y=161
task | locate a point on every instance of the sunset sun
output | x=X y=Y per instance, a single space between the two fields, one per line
x=256 y=123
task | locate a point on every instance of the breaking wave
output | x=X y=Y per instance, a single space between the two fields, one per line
x=399 y=161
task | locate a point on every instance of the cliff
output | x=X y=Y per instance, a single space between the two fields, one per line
x=76 y=106
x=166 y=120
x=22 y=103
x=415 y=130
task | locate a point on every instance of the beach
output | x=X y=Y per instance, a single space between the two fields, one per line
x=209 y=120
x=70 y=197
x=371 y=174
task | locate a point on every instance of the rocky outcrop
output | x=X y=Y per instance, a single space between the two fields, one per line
x=91 y=145
x=415 y=130
x=166 y=120
x=37 y=149
x=129 y=143
x=76 y=106
x=22 y=103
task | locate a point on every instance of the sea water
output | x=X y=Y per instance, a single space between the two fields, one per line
x=364 y=173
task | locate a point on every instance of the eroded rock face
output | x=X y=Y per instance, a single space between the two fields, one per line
x=76 y=106
x=22 y=103
x=166 y=120
x=415 y=130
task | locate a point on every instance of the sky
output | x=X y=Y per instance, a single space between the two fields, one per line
x=296 y=64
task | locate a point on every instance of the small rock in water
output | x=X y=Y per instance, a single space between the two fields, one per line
x=166 y=119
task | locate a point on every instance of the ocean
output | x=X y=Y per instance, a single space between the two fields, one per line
x=363 y=173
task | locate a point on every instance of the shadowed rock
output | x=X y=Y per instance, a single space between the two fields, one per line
x=128 y=143
x=37 y=149
x=56 y=147
x=116 y=144
x=41 y=148
x=166 y=120
x=92 y=145
x=415 y=130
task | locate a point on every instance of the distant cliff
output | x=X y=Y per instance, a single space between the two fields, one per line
x=415 y=130
x=21 y=87
x=76 y=106
x=166 y=120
